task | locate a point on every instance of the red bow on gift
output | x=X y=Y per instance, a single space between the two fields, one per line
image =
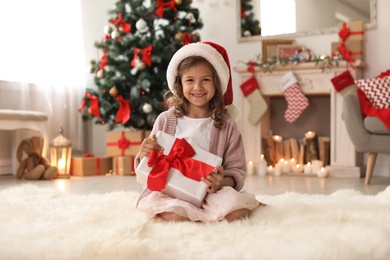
x=146 y=53
x=179 y=158
x=346 y=54
x=161 y=5
x=125 y=26
x=93 y=104
x=344 y=33
x=123 y=114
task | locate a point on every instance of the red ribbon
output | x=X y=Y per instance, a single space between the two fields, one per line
x=187 y=38
x=346 y=54
x=93 y=104
x=243 y=16
x=88 y=155
x=103 y=60
x=123 y=114
x=161 y=5
x=146 y=53
x=179 y=158
x=123 y=143
x=344 y=33
x=125 y=26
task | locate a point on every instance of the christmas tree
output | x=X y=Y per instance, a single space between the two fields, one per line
x=139 y=40
x=249 y=25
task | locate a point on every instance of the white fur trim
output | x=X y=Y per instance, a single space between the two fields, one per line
x=234 y=111
x=199 y=49
x=287 y=81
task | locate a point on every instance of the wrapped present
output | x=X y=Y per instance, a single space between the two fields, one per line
x=123 y=165
x=353 y=30
x=351 y=50
x=177 y=170
x=89 y=165
x=124 y=143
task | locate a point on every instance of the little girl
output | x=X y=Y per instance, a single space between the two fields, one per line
x=199 y=78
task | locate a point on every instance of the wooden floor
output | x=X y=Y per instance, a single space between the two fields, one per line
x=269 y=185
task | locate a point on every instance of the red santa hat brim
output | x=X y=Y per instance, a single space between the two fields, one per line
x=218 y=58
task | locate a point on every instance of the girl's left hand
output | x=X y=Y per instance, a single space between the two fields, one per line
x=214 y=180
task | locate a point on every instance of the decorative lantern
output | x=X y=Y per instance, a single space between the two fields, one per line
x=60 y=154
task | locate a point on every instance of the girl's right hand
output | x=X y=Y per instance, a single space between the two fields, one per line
x=147 y=145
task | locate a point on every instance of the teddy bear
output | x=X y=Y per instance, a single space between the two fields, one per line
x=35 y=166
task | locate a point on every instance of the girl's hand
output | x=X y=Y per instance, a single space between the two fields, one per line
x=214 y=180
x=147 y=145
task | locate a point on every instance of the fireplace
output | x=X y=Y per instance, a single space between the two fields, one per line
x=344 y=161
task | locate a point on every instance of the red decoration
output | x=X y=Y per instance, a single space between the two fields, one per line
x=179 y=158
x=146 y=53
x=125 y=26
x=187 y=38
x=103 y=60
x=345 y=32
x=123 y=114
x=161 y=5
x=346 y=54
x=93 y=104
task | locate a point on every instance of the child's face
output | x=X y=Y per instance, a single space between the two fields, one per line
x=198 y=86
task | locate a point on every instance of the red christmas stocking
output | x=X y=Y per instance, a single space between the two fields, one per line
x=251 y=91
x=344 y=83
x=296 y=100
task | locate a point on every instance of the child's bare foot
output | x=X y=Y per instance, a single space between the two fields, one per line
x=171 y=216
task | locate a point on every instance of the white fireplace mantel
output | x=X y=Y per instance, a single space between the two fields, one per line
x=313 y=81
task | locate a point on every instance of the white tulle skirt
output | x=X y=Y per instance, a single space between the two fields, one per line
x=215 y=208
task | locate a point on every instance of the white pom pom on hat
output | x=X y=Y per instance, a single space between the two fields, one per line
x=218 y=58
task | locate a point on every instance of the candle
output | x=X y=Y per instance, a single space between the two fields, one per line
x=297 y=168
x=316 y=165
x=310 y=134
x=270 y=170
x=277 y=138
x=262 y=165
x=322 y=173
x=286 y=167
x=250 y=168
x=292 y=163
x=278 y=170
x=307 y=168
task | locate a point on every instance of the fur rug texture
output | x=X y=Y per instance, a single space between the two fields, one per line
x=43 y=223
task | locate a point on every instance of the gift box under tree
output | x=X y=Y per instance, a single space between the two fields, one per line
x=177 y=170
x=123 y=165
x=90 y=165
x=124 y=143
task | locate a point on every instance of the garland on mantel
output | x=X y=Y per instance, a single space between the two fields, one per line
x=323 y=61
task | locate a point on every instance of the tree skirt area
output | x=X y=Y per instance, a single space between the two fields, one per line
x=43 y=223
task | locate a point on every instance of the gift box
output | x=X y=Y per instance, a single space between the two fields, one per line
x=176 y=176
x=89 y=165
x=124 y=143
x=353 y=49
x=353 y=30
x=123 y=165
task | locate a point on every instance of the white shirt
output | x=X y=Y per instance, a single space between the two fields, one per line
x=195 y=130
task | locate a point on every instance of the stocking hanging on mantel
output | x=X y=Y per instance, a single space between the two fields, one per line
x=297 y=102
x=251 y=90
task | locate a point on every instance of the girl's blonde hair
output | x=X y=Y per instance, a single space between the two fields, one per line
x=181 y=104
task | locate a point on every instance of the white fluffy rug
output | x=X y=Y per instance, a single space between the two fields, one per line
x=43 y=223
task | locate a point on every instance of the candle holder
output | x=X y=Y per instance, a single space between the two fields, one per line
x=60 y=154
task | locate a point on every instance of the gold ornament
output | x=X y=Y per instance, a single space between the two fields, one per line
x=140 y=65
x=89 y=111
x=179 y=37
x=113 y=91
x=115 y=34
x=178 y=2
x=100 y=74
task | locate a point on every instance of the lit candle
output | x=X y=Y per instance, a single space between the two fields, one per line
x=61 y=164
x=297 y=168
x=270 y=170
x=307 y=168
x=310 y=134
x=316 y=165
x=262 y=165
x=292 y=163
x=286 y=167
x=250 y=168
x=322 y=173
x=277 y=138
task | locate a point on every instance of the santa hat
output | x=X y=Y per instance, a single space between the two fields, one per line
x=218 y=58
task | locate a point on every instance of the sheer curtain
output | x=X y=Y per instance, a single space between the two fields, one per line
x=42 y=64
